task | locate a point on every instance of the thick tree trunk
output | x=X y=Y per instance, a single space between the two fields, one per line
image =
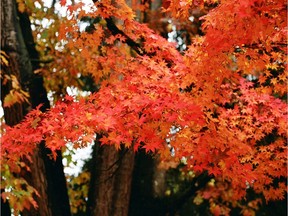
x=102 y=180
x=46 y=176
x=122 y=184
x=110 y=175
x=110 y=184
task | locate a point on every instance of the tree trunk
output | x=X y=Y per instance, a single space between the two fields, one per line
x=46 y=175
x=122 y=184
x=5 y=208
x=110 y=183
x=142 y=185
x=57 y=189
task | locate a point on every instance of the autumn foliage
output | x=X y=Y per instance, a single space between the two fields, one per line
x=225 y=93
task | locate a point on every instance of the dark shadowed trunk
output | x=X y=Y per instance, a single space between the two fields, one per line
x=5 y=208
x=57 y=189
x=142 y=185
x=144 y=201
x=46 y=175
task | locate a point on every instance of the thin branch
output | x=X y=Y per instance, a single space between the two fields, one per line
x=115 y=30
x=42 y=61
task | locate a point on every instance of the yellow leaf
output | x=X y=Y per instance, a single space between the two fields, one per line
x=34 y=124
x=4 y=59
x=15 y=83
x=9 y=99
x=21 y=6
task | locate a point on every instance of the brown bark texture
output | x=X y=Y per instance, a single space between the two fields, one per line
x=110 y=184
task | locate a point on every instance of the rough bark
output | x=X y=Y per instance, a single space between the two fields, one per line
x=102 y=179
x=110 y=183
x=122 y=184
x=9 y=44
x=46 y=176
x=18 y=63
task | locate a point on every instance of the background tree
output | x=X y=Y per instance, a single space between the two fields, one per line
x=19 y=61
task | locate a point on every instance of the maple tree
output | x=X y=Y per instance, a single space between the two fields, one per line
x=224 y=95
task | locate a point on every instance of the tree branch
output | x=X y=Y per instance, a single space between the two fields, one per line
x=197 y=184
x=115 y=30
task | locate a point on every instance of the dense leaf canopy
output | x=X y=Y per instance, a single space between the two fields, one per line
x=225 y=94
